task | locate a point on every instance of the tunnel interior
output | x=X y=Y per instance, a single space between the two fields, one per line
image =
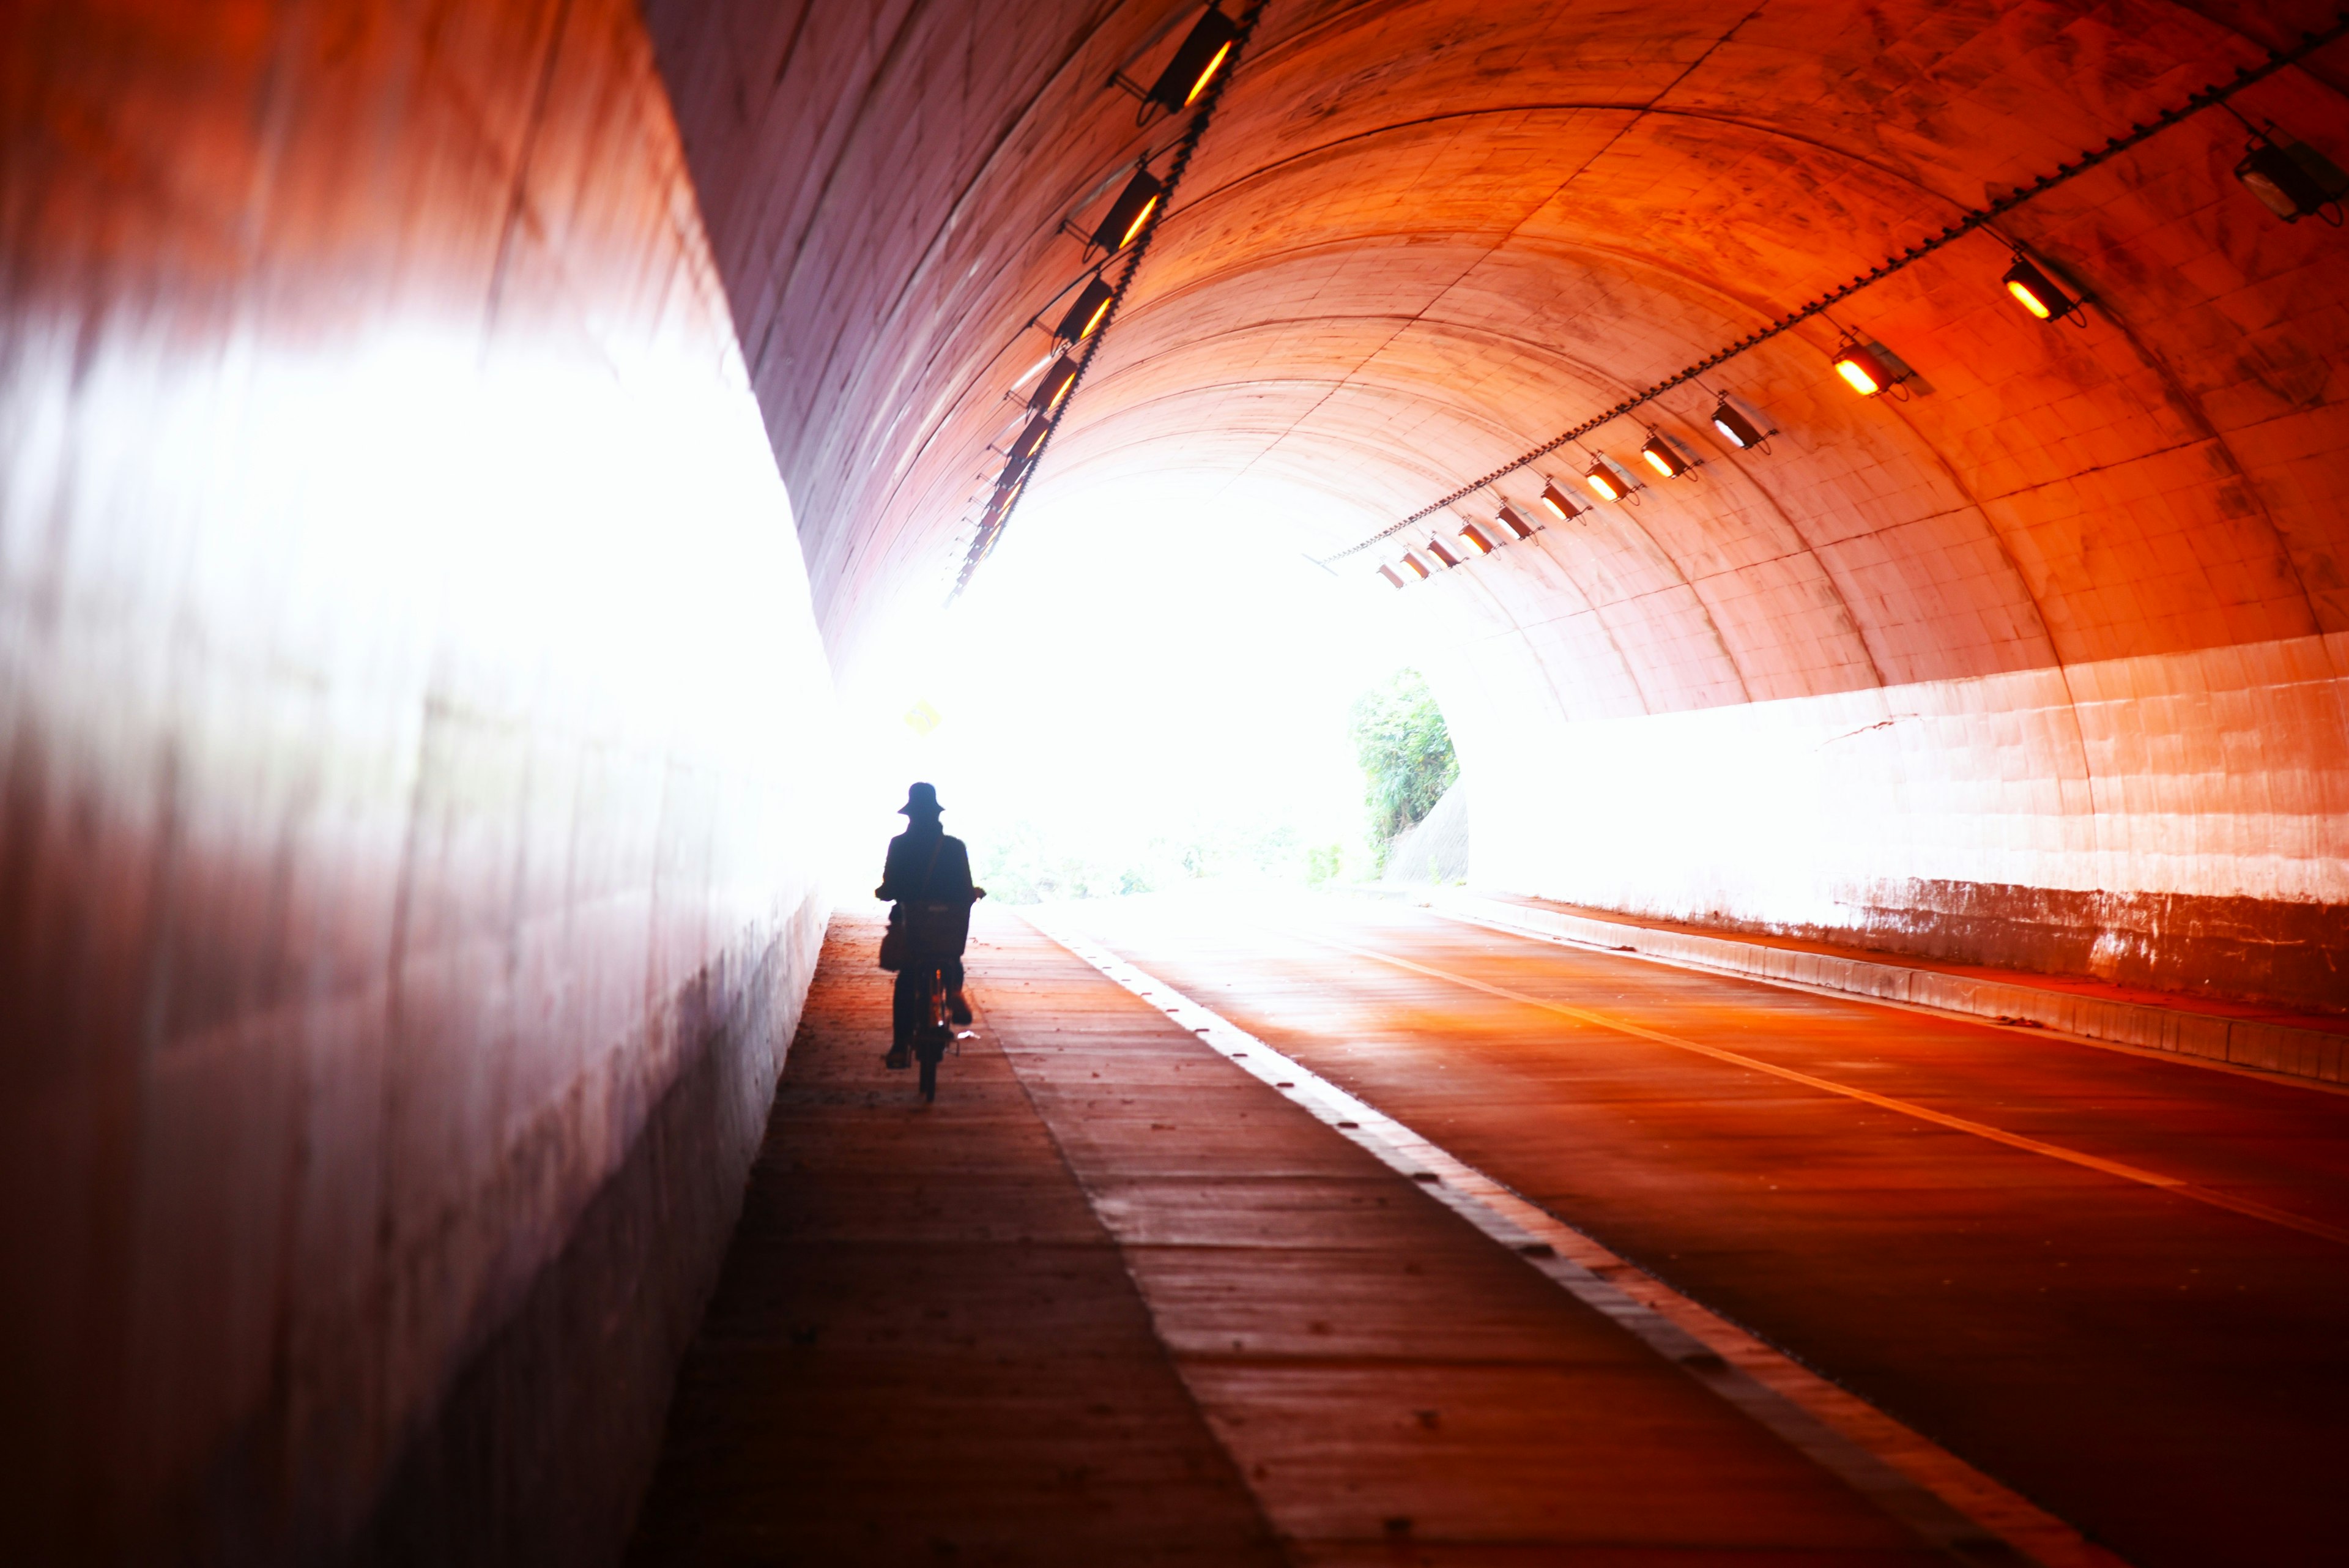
x=2021 y=661
x=474 y=480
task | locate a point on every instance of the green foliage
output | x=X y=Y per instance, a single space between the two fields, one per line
x=1406 y=751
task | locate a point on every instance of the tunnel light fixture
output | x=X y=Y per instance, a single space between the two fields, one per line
x=1605 y=483
x=1023 y=450
x=1054 y=386
x=2036 y=292
x=1664 y=457
x=1862 y=368
x=1413 y=564
x=1203 y=54
x=1393 y=577
x=1435 y=548
x=2291 y=179
x=1514 y=524
x=1130 y=212
x=1474 y=537
x=1086 y=313
x=1559 y=504
x=1007 y=486
x=1736 y=429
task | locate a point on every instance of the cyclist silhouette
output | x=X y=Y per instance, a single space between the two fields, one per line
x=927 y=875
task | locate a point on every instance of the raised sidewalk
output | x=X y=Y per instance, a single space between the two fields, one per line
x=2301 y=1047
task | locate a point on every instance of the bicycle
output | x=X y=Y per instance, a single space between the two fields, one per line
x=922 y=1022
x=931 y=1028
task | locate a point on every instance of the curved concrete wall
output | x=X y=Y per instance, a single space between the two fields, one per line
x=2080 y=595
x=407 y=690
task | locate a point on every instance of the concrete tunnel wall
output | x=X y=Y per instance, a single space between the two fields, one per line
x=2045 y=668
x=412 y=722
x=411 y=702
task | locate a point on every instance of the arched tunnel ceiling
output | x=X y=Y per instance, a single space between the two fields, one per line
x=1420 y=238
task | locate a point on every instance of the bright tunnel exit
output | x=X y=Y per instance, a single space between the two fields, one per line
x=1143 y=690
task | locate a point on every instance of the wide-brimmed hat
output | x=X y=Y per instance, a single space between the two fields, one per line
x=921 y=800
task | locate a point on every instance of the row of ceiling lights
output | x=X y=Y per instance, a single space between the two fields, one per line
x=2291 y=179
x=1204 y=53
x=1740 y=423
x=1869 y=369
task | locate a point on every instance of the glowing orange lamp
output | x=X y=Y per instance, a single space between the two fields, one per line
x=2038 y=292
x=1054 y=386
x=1086 y=313
x=1862 y=369
x=1194 y=65
x=1130 y=212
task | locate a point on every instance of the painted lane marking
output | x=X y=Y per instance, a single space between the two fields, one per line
x=1941 y=1498
x=2175 y=1184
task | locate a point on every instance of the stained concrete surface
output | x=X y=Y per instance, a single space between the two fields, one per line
x=924 y=1347
x=1112 y=1300
x=2164 y=1373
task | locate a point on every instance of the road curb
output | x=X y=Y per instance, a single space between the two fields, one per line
x=2236 y=1042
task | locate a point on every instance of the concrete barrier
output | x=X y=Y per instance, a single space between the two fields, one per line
x=2239 y=1041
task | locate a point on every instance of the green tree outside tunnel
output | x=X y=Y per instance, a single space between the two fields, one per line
x=1406 y=751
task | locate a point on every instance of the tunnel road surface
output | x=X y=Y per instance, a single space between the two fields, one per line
x=1113 y=1299
x=2117 y=1283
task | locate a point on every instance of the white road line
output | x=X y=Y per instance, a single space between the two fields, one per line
x=1946 y=1502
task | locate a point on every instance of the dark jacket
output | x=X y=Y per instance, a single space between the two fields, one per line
x=929 y=868
x=910 y=854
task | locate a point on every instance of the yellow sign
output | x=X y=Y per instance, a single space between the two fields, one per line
x=921 y=717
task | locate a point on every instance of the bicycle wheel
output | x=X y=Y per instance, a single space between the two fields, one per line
x=936 y=1030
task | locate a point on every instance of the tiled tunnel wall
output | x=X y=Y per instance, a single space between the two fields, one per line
x=1424 y=236
x=409 y=688
x=2171 y=821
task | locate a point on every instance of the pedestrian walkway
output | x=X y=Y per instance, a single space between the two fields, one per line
x=924 y=1347
x=1112 y=1298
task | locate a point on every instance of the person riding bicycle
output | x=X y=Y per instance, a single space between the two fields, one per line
x=927 y=875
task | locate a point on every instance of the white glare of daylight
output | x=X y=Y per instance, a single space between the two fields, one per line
x=1136 y=690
